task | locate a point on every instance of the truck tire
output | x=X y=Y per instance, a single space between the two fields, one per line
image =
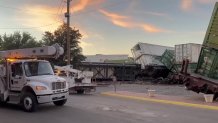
x=29 y=102
x=215 y=96
x=2 y=103
x=80 y=91
x=60 y=102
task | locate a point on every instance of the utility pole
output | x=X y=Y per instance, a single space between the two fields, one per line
x=67 y=15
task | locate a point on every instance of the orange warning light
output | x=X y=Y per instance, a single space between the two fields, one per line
x=11 y=60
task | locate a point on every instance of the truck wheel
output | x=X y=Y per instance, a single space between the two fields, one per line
x=2 y=103
x=215 y=96
x=80 y=91
x=29 y=102
x=60 y=102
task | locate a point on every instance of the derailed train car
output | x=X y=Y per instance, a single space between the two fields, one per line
x=148 y=56
x=205 y=78
x=106 y=71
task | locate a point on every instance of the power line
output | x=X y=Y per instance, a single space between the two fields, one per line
x=60 y=7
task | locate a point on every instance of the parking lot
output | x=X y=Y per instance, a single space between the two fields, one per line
x=98 y=108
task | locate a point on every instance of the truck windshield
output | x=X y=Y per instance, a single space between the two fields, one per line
x=37 y=68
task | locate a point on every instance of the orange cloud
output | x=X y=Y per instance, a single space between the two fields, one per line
x=83 y=4
x=80 y=6
x=117 y=19
x=156 y=14
x=124 y=21
x=151 y=28
x=112 y=15
x=43 y=17
x=206 y=1
x=85 y=44
x=186 y=5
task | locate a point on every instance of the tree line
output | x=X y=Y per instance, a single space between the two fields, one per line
x=19 y=40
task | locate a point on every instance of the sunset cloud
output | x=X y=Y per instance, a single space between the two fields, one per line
x=186 y=5
x=47 y=16
x=122 y=23
x=83 y=4
x=151 y=28
x=125 y=22
x=156 y=14
x=85 y=44
x=117 y=19
x=206 y=1
x=113 y=15
x=43 y=17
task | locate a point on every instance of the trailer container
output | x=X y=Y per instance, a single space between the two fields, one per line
x=188 y=51
x=168 y=59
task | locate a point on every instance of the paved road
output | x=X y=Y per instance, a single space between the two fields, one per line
x=96 y=108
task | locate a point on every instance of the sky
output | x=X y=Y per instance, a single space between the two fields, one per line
x=112 y=26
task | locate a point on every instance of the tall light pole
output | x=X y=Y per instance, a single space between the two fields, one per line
x=67 y=15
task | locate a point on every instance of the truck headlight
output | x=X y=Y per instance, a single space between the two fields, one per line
x=40 y=88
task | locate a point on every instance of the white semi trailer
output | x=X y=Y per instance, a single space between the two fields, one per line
x=78 y=81
x=27 y=81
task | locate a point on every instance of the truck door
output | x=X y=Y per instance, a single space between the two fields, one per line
x=17 y=77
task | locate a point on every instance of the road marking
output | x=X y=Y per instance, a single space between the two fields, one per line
x=162 y=101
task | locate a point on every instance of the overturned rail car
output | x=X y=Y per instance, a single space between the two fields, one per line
x=205 y=78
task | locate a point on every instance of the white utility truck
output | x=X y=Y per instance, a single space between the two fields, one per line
x=78 y=81
x=27 y=81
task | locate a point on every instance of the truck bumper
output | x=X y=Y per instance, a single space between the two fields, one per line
x=85 y=87
x=52 y=97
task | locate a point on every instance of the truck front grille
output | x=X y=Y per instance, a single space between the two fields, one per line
x=58 y=85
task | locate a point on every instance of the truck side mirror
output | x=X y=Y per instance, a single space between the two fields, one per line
x=13 y=74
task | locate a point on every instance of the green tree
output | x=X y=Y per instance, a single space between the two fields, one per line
x=0 y=41
x=60 y=36
x=17 y=40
